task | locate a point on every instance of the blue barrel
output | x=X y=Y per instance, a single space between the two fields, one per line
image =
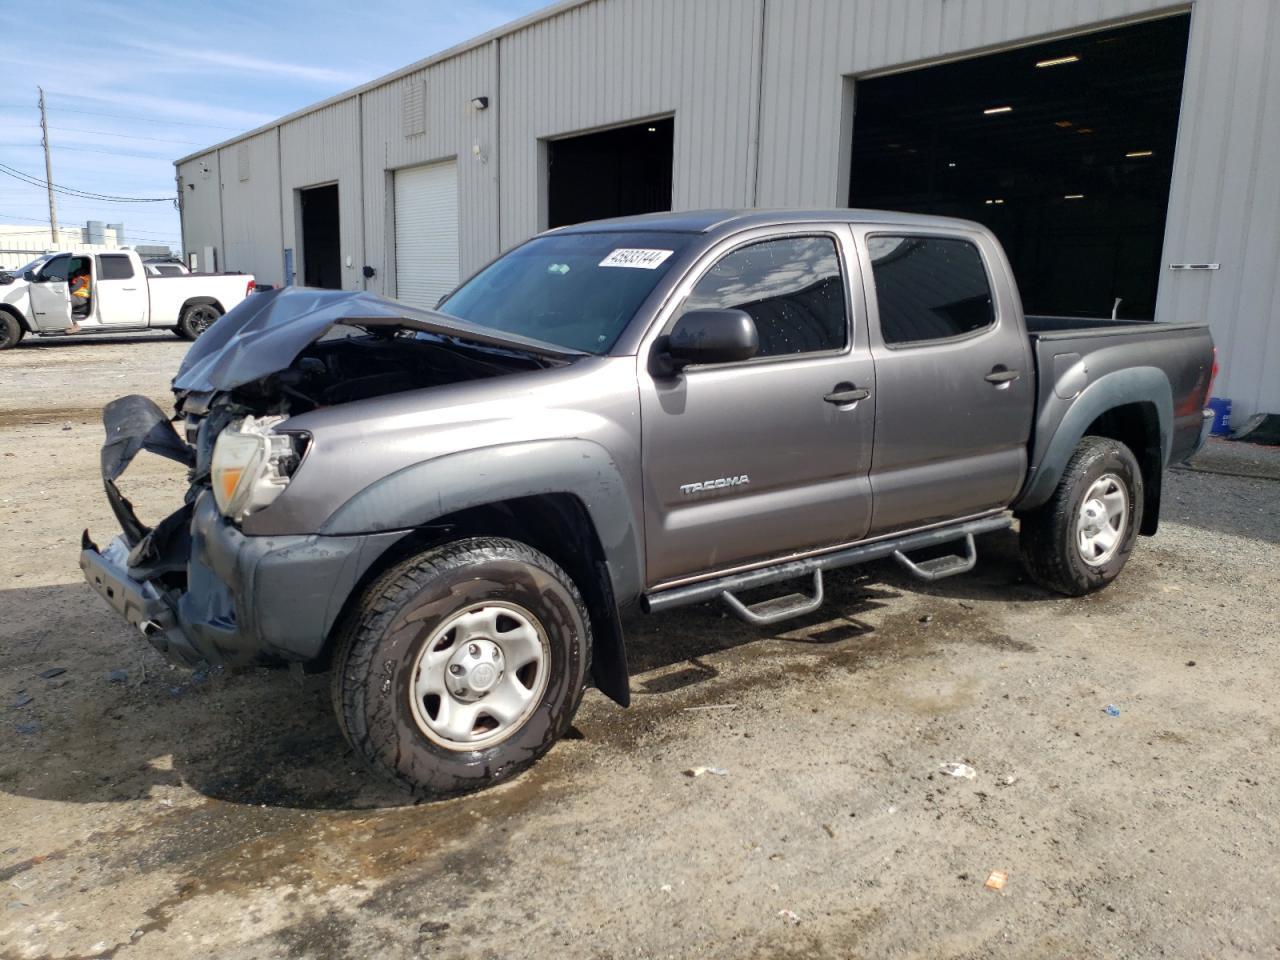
x=1221 y=408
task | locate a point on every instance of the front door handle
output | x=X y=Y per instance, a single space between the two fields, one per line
x=1002 y=374
x=847 y=393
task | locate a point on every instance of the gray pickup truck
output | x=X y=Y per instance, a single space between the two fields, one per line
x=449 y=508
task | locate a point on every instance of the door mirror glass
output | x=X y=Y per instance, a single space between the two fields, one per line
x=709 y=336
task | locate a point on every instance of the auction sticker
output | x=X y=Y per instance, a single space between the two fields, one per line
x=636 y=258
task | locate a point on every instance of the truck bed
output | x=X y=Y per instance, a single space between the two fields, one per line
x=1173 y=361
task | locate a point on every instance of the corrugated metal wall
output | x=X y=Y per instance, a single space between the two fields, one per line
x=764 y=118
x=198 y=183
x=451 y=128
x=615 y=61
x=324 y=147
x=251 y=208
x=1224 y=205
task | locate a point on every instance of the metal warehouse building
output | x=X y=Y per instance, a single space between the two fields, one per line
x=1126 y=152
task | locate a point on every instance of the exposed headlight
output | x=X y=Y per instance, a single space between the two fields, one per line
x=251 y=465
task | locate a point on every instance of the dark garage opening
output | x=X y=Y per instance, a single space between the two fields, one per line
x=1064 y=149
x=614 y=173
x=321 y=248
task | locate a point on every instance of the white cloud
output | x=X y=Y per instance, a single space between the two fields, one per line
x=216 y=60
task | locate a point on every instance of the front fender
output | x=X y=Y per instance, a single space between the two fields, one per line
x=422 y=492
x=1147 y=385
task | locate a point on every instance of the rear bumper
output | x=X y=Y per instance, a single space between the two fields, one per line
x=1206 y=427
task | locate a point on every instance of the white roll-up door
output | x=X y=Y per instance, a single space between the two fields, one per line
x=426 y=209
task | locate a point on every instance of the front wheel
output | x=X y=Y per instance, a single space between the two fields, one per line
x=10 y=331
x=1080 y=540
x=462 y=666
x=196 y=318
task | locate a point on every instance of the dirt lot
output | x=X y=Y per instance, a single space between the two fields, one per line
x=150 y=812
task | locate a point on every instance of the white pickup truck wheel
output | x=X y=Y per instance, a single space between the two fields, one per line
x=462 y=666
x=10 y=331
x=196 y=319
x=1080 y=540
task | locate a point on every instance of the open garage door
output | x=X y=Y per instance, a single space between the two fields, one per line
x=426 y=214
x=321 y=238
x=613 y=173
x=1064 y=149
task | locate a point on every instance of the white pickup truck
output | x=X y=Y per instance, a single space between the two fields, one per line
x=38 y=298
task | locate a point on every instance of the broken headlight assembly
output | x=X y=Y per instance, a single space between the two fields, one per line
x=252 y=465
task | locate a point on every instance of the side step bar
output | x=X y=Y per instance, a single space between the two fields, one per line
x=781 y=608
x=939 y=567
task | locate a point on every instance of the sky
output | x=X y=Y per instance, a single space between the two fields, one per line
x=136 y=85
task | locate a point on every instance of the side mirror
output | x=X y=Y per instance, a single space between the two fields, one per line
x=30 y=276
x=706 y=336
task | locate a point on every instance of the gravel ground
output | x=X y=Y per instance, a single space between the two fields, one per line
x=152 y=812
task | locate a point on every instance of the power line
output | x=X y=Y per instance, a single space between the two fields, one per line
x=73 y=192
x=133 y=233
x=122 y=116
x=128 y=136
x=108 y=133
x=116 y=153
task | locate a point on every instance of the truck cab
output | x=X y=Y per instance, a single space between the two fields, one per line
x=102 y=292
x=116 y=291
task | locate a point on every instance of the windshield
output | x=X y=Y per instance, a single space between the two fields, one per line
x=575 y=290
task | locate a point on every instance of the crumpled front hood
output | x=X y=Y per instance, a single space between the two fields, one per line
x=268 y=331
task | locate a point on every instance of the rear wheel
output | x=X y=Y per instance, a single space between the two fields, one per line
x=196 y=318
x=462 y=666
x=1080 y=540
x=11 y=331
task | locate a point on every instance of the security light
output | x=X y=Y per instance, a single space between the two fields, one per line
x=480 y=103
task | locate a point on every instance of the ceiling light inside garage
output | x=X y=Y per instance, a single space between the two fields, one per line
x=1058 y=61
x=1073 y=196
x=1138 y=153
x=991 y=110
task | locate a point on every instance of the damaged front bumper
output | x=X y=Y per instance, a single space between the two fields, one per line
x=200 y=590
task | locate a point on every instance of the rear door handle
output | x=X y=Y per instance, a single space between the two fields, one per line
x=847 y=393
x=1002 y=375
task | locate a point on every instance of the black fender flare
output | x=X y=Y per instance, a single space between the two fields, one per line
x=18 y=315
x=200 y=301
x=1148 y=385
x=421 y=493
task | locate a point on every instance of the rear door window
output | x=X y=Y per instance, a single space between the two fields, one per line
x=791 y=287
x=929 y=288
x=114 y=266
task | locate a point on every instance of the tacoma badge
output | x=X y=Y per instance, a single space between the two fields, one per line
x=717 y=484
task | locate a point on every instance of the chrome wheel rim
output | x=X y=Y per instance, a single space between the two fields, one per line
x=1101 y=522
x=479 y=676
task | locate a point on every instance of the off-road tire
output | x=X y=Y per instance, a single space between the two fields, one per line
x=1048 y=538
x=192 y=323
x=11 y=331
x=397 y=614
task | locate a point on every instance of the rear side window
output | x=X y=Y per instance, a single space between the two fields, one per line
x=792 y=288
x=929 y=288
x=113 y=266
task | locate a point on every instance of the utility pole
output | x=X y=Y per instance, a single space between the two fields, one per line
x=48 y=172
